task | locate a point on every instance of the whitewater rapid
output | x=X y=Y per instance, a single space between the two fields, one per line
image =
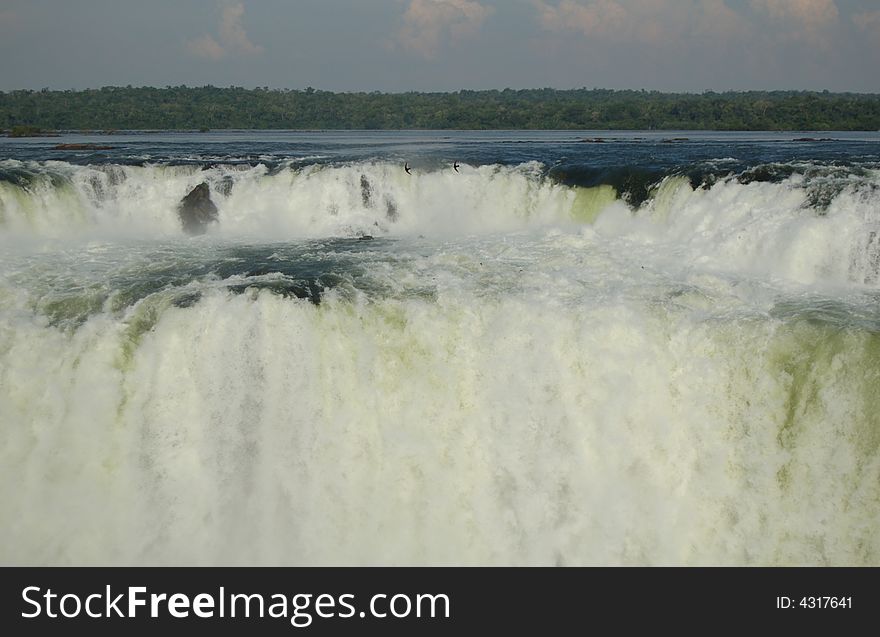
x=253 y=429
x=774 y=228
x=510 y=370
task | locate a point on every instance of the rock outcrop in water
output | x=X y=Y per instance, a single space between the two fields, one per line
x=82 y=147
x=196 y=210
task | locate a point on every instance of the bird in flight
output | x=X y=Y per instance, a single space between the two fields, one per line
x=406 y=168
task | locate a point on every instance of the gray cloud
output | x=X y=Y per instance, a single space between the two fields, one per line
x=440 y=45
x=647 y=22
x=807 y=20
x=869 y=22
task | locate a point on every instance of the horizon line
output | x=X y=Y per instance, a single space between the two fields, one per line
x=310 y=89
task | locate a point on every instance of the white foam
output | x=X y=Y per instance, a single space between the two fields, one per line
x=626 y=392
x=758 y=229
x=765 y=230
x=504 y=429
x=316 y=201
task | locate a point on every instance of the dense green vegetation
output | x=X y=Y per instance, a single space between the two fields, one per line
x=211 y=107
x=25 y=131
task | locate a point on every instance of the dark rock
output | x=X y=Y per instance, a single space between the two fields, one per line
x=196 y=210
x=83 y=147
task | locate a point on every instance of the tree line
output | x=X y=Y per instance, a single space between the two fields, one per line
x=209 y=107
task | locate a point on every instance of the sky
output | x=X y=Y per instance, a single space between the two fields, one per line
x=443 y=45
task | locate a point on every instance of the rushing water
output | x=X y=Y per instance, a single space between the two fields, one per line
x=575 y=348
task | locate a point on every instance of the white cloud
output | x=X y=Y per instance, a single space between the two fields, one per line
x=231 y=38
x=206 y=47
x=427 y=24
x=232 y=33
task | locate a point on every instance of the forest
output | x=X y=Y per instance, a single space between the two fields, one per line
x=26 y=112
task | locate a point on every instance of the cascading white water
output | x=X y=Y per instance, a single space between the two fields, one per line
x=547 y=376
x=316 y=201
x=254 y=429
x=765 y=228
